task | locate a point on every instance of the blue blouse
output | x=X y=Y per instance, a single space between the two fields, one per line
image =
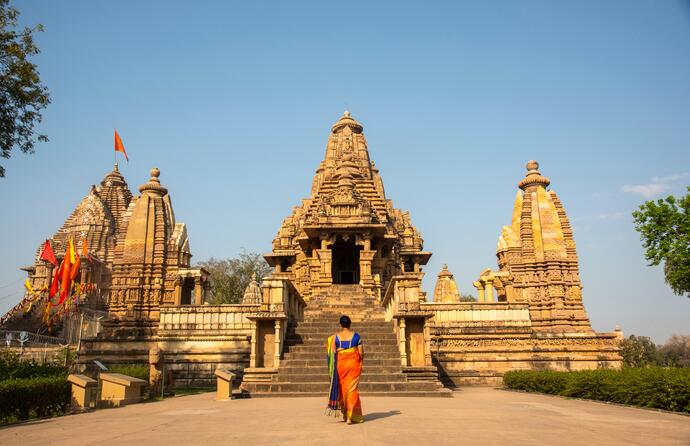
x=354 y=342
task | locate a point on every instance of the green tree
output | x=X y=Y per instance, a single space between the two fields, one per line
x=22 y=95
x=230 y=277
x=467 y=297
x=676 y=351
x=664 y=227
x=639 y=351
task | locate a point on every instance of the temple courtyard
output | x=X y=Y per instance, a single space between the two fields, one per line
x=477 y=415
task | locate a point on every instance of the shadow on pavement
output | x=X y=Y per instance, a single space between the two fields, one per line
x=378 y=415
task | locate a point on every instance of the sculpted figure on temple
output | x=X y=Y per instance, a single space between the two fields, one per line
x=159 y=374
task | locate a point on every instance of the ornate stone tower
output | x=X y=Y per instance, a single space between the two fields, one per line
x=152 y=258
x=446 y=290
x=537 y=259
x=347 y=232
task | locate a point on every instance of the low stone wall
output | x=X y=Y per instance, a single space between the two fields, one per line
x=195 y=340
x=474 y=359
x=476 y=343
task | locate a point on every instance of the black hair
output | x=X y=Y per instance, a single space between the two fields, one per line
x=345 y=321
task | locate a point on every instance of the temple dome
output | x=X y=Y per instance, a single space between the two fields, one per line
x=347 y=121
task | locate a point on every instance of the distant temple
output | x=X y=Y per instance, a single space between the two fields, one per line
x=343 y=250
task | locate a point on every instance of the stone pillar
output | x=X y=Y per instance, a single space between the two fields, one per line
x=480 y=291
x=325 y=259
x=178 y=291
x=278 y=342
x=403 y=342
x=427 y=343
x=255 y=334
x=366 y=257
x=488 y=290
x=198 y=291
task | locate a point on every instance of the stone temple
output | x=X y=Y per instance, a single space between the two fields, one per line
x=345 y=249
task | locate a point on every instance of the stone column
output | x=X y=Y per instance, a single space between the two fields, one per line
x=178 y=291
x=278 y=342
x=198 y=291
x=488 y=290
x=480 y=291
x=427 y=343
x=403 y=342
x=366 y=256
x=255 y=334
x=325 y=258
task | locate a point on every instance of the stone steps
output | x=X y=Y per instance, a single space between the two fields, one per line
x=303 y=369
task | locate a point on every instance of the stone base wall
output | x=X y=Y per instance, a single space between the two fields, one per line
x=482 y=359
x=195 y=340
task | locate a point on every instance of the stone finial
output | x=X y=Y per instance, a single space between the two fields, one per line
x=446 y=290
x=533 y=177
x=252 y=294
x=347 y=121
x=154 y=184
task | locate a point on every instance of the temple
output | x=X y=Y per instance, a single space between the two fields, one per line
x=97 y=219
x=343 y=250
x=347 y=232
x=529 y=314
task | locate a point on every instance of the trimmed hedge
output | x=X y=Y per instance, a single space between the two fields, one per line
x=653 y=387
x=12 y=366
x=21 y=399
x=140 y=371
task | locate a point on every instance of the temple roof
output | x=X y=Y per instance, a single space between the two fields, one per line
x=96 y=217
x=347 y=193
x=539 y=227
x=446 y=290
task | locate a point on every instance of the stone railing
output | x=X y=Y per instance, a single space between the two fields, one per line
x=206 y=318
x=403 y=294
x=470 y=314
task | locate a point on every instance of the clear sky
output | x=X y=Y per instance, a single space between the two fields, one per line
x=233 y=101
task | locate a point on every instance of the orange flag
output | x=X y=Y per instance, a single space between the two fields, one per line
x=54 y=287
x=119 y=147
x=65 y=281
x=77 y=260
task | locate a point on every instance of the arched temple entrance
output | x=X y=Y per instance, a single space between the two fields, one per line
x=345 y=266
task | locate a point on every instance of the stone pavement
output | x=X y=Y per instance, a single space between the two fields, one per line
x=477 y=416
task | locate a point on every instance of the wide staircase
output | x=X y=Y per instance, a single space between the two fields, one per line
x=303 y=370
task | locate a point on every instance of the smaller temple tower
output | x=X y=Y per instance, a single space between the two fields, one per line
x=446 y=290
x=538 y=264
x=152 y=259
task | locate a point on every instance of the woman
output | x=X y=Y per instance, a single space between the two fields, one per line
x=345 y=356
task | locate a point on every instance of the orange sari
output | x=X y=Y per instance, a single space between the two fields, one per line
x=345 y=368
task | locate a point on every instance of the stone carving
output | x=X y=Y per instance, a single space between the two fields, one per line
x=159 y=375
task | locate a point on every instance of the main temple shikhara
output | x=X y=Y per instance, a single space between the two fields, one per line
x=345 y=249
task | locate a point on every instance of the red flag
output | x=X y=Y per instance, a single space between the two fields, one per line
x=119 y=147
x=56 y=279
x=48 y=253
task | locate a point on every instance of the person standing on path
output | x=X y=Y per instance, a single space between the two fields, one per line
x=345 y=356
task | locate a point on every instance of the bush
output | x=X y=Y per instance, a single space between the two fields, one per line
x=140 y=371
x=653 y=387
x=21 y=399
x=12 y=366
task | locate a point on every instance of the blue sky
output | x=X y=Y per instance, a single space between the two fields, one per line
x=233 y=101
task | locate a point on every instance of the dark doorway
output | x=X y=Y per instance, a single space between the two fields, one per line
x=345 y=266
x=187 y=289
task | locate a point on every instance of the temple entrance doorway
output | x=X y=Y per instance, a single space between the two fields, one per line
x=345 y=263
x=187 y=290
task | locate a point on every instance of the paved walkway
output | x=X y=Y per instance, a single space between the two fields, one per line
x=476 y=416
